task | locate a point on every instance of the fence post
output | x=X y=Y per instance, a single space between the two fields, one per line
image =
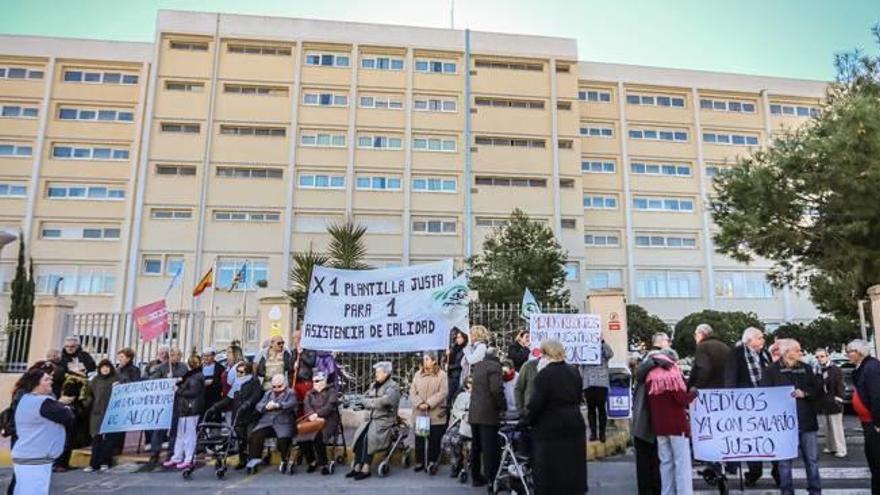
x=610 y=305
x=50 y=316
x=274 y=315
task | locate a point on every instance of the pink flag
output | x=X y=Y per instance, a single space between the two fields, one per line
x=151 y=319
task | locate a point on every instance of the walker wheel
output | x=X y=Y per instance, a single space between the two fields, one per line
x=340 y=459
x=407 y=459
x=331 y=467
x=187 y=474
x=463 y=476
x=220 y=474
x=383 y=469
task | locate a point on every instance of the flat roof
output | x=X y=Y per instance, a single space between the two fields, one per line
x=79 y=48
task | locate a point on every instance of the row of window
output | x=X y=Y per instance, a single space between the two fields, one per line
x=248 y=130
x=75 y=280
x=242 y=89
x=655 y=100
x=108 y=115
x=732 y=139
x=246 y=216
x=20 y=73
x=794 y=110
x=666 y=241
x=10 y=149
x=609 y=202
x=674 y=284
x=12 y=190
x=510 y=181
x=88 y=152
x=594 y=95
x=734 y=106
x=99 y=77
x=659 y=135
x=508 y=103
x=644 y=168
x=10 y=111
x=80 y=233
x=597 y=131
x=85 y=192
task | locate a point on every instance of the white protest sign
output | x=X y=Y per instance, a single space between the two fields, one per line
x=137 y=406
x=744 y=424
x=383 y=310
x=580 y=334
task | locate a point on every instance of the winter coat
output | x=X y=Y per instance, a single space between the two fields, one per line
x=834 y=390
x=596 y=375
x=260 y=369
x=177 y=370
x=736 y=370
x=487 y=393
x=213 y=391
x=458 y=417
x=559 y=431
x=282 y=419
x=801 y=377
x=305 y=364
x=431 y=389
x=79 y=355
x=866 y=380
x=525 y=385
x=641 y=414
x=382 y=400
x=190 y=395
x=453 y=366
x=710 y=359
x=326 y=405
x=518 y=354
x=471 y=354
x=243 y=404
x=130 y=373
x=668 y=399
x=97 y=398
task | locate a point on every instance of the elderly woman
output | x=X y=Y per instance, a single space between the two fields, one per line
x=322 y=401
x=242 y=404
x=189 y=401
x=428 y=396
x=560 y=463
x=454 y=357
x=39 y=423
x=475 y=350
x=459 y=430
x=595 y=384
x=277 y=406
x=96 y=398
x=274 y=360
x=382 y=400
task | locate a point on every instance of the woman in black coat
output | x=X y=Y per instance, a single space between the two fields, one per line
x=453 y=364
x=559 y=455
x=243 y=398
x=189 y=401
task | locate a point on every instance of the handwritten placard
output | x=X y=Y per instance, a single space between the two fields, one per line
x=138 y=406
x=745 y=424
x=580 y=334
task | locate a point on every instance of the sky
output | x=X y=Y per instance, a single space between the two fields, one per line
x=786 y=38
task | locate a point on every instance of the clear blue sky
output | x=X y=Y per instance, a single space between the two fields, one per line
x=790 y=38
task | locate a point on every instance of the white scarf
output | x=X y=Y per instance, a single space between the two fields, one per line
x=542 y=363
x=238 y=383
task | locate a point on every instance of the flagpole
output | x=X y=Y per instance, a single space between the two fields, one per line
x=244 y=301
x=214 y=281
x=182 y=278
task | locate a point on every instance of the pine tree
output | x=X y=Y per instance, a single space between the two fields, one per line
x=22 y=306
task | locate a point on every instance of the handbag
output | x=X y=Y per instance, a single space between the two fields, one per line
x=423 y=426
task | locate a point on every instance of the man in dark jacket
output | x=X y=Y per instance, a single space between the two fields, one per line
x=710 y=359
x=790 y=370
x=74 y=358
x=487 y=405
x=866 y=402
x=746 y=365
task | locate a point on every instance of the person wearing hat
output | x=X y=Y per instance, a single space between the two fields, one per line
x=322 y=401
x=382 y=400
x=213 y=372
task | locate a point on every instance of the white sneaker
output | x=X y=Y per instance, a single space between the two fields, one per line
x=105 y=468
x=88 y=469
x=840 y=455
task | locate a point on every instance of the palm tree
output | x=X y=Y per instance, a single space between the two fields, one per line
x=301 y=274
x=347 y=248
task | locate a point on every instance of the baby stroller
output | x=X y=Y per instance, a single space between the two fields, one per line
x=216 y=439
x=514 y=472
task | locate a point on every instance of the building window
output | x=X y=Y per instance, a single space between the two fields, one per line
x=321 y=181
x=568 y=223
x=735 y=106
x=173 y=265
x=572 y=271
x=152 y=265
x=508 y=103
x=743 y=285
x=496 y=64
x=659 y=135
x=655 y=100
x=246 y=216
x=320 y=140
x=510 y=181
x=192 y=46
x=325 y=99
x=377 y=183
x=95 y=114
x=565 y=144
x=597 y=167
x=667 y=284
x=180 y=128
x=170 y=214
x=601 y=239
x=381 y=102
x=713 y=171
x=594 y=96
x=435 y=66
x=380 y=142
x=250 y=172
x=730 y=139
x=99 y=77
x=666 y=241
x=599 y=202
x=186 y=86
x=434 y=184
x=382 y=63
x=12 y=190
x=664 y=169
x=490 y=222
x=430 y=226
x=794 y=110
x=603 y=279
x=85 y=192
x=328 y=59
x=85 y=152
x=512 y=142
x=434 y=144
x=663 y=204
x=75 y=280
x=597 y=131
x=254 y=272
x=189 y=170
x=20 y=73
x=425 y=104
x=243 y=89
x=258 y=49
x=566 y=183
x=17 y=150
x=241 y=130
x=9 y=111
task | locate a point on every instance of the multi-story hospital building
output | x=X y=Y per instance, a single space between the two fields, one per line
x=234 y=138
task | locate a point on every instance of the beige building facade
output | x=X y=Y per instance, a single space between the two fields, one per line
x=236 y=140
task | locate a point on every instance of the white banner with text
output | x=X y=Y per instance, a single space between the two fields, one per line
x=580 y=334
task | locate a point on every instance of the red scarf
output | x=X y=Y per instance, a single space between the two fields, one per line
x=509 y=375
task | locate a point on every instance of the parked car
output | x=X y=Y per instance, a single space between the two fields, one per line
x=847 y=368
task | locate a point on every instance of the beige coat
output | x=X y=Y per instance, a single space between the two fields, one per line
x=431 y=389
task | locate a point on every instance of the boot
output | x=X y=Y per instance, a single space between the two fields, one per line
x=242 y=462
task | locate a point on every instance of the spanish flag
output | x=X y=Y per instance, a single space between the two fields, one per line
x=206 y=281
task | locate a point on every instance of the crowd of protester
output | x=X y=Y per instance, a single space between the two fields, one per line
x=461 y=400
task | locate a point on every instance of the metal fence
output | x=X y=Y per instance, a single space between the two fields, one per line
x=103 y=334
x=15 y=339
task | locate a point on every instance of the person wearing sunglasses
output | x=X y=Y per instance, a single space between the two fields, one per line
x=274 y=360
x=322 y=401
x=242 y=402
x=277 y=408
